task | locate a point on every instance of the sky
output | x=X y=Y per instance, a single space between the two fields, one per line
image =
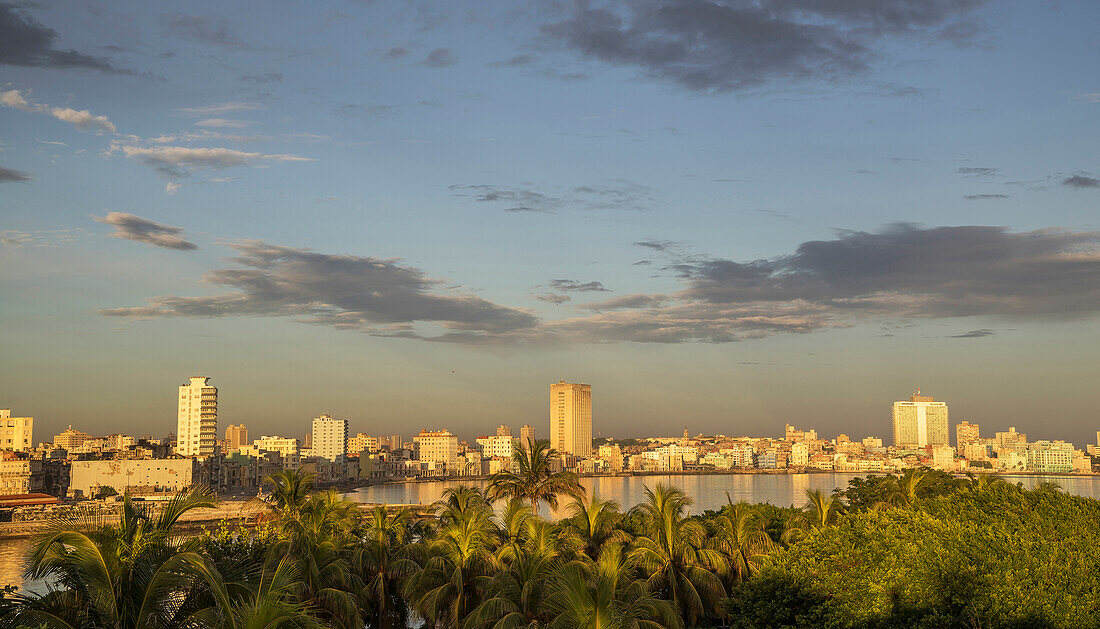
x=723 y=215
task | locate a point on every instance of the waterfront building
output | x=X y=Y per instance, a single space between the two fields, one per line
x=70 y=440
x=1050 y=457
x=527 y=435
x=330 y=437
x=236 y=436
x=197 y=420
x=437 y=448
x=497 y=446
x=20 y=474
x=287 y=447
x=966 y=433
x=1009 y=440
x=362 y=442
x=16 y=433
x=800 y=454
x=571 y=418
x=919 y=422
x=613 y=454
x=133 y=475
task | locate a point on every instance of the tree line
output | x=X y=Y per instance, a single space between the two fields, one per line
x=923 y=549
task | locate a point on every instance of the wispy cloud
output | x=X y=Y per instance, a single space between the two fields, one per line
x=138 y=229
x=81 y=119
x=180 y=161
x=613 y=195
x=984 y=197
x=1081 y=181
x=217 y=109
x=975 y=334
x=440 y=58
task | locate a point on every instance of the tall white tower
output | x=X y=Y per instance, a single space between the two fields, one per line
x=571 y=418
x=330 y=437
x=197 y=423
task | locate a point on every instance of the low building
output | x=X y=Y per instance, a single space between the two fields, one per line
x=439 y=448
x=20 y=474
x=138 y=476
x=16 y=433
x=1050 y=457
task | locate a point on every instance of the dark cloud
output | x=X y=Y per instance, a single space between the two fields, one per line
x=553 y=298
x=616 y=195
x=260 y=79
x=130 y=227
x=373 y=295
x=26 y=42
x=1081 y=181
x=975 y=334
x=396 y=52
x=204 y=29
x=972 y=171
x=518 y=60
x=9 y=175
x=574 y=285
x=711 y=46
x=440 y=58
x=984 y=197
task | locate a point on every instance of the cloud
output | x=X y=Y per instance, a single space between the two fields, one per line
x=82 y=119
x=130 y=227
x=179 y=161
x=975 y=334
x=397 y=52
x=204 y=29
x=972 y=171
x=219 y=109
x=373 y=295
x=440 y=58
x=171 y=187
x=710 y=46
x=26 y=42
x=516 y=61
x=40 y=238
x=984 y=197
x=1093 y=97
x=615 y=195
x=574 y=285
x=553 y=298
x=8 y=175
x=224 y=123
x=902 y=272
x=1081 y=181
x=261 y=79
x=657 y=245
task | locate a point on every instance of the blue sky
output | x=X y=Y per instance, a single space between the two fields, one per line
x=722 y=215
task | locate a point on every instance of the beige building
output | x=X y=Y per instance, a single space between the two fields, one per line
x=497 y=445
x=330 y=437
x=71 y=440
x=527 y=434
x=966 y=433
x=919 y=422
x=362 y=442
x=197 y=420
x=504 y=431
x=285 y=446
x=613 y=454
x=438 y=447
x=20 y=475
x=236 y=436
x=571 y=418
x=16 y=433
x=135 y=475
x=1009 y=440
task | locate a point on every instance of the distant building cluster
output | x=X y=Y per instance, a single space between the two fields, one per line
x=78 y=465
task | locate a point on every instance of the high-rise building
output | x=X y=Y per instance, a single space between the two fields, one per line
x=504 y=431
x=330 y=437
x=396 y=443
x=16 y=433
x=1009 y=440
x=527 y=434
x=197 y=423
x=236 y=436
x=571 y=418
x=439 y=447
x=70 y=439
x=920 y=422
x=966 y=433
x=362 y=442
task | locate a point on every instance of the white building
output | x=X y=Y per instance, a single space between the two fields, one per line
x=362 y=442
x=16 y=432
x=197 y=422
x=497 y=446
x=330 y=437
x=285 y=446
x=1050 y=457
x=438 y=447
x=800 y=454
x=571 y=418
x=943 y=458
x=921 y=421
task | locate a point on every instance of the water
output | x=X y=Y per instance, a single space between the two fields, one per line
x=709 y=492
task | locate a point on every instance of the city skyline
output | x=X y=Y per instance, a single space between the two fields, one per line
x=730 y=215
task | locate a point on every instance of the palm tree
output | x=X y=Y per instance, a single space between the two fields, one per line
x=603 y=595
x=532 y=477
x=983 y=481
x=822 y=508
x=904 y=491
x=514 y=596
x=382 y=563
x=290 y=489
x=740 y=536
x=593 y=523
x=673 y=556
x=133 y=574
x=444 y=590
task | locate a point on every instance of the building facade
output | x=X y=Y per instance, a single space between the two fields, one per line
x=70 y=439
x=920 y=422
x=966 y=433
x=197 y=420
x=571 y=418
x=330 y=437
x=362 y=442
x=527 y=435
x=236 y=436
x=16 y=433
x=438 y=447
x=136 y=476
x=497 y=446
